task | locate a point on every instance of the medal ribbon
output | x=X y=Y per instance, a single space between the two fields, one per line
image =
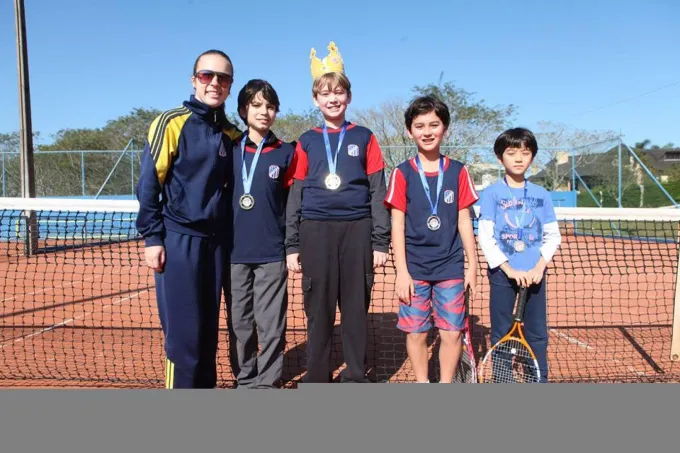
x=519 y=222
x=426 y=186
x=246 y=176
x=333 y=161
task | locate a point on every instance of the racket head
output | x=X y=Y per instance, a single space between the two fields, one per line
x=466 y=371
x=511 y=360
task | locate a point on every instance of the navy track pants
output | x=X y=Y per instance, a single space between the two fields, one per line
x=188 y=294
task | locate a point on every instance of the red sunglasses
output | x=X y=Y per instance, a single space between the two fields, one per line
x=205 y=77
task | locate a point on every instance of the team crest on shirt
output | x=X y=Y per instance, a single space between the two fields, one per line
x=353 y=150
x=448 y=196
x=274 y=171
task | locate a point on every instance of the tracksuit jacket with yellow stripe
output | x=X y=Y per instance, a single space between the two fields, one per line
x=186 y=168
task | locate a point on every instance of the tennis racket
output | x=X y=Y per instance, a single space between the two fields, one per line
x=511 y=359
x=466 y=371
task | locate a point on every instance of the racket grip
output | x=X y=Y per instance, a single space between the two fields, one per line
x=521 y=303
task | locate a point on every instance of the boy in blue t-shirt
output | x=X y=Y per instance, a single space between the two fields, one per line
x=430 y=197
x=518 y=234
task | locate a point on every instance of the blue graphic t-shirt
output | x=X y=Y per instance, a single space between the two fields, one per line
x=516 y=211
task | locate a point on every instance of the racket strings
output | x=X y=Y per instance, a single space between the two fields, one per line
x=510 y=362
x=465 y=371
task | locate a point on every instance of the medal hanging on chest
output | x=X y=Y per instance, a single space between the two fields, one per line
x=332 y=180
x=519 y=245
x=247 y=201
x=433 y=221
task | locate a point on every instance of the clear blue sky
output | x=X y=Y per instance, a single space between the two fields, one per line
x=562 y=61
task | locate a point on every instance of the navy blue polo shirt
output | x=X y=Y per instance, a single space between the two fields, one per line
x=259 y=233
x=359 y=157
x=432 y=255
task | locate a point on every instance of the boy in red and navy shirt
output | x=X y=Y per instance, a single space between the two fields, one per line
x=257 y=298
x=337 y=228
x=430 y=197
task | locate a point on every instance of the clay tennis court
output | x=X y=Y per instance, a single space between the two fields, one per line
x=82 y=314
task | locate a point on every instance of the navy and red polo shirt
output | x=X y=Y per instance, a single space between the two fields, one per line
x=432 y=255
x=259 y=233
x=359 y=157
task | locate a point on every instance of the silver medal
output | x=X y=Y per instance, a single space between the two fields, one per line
x=433 y=223
x=332 y=181
x=247 y=201
x=520 y=246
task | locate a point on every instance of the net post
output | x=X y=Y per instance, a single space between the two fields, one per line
x=82 y=172
x=30 y=225
x=675 y=340
x=132 y=168
x=4 y=191
x=573 y=172
x=620 y=178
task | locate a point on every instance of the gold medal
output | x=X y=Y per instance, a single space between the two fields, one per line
x=246 y=202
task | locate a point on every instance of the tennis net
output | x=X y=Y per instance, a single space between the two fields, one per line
x=78 y=304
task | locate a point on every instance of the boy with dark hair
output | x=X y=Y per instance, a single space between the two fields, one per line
x=430 y=197
x=518 y=234
x=337 y=227
x=258 y=298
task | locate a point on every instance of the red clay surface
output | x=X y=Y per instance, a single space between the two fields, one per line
x=86 y=317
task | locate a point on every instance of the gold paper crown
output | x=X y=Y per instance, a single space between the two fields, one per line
x=332 y=63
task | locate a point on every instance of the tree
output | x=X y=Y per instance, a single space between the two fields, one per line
x=9 y=143
x=134 y=126
x=472 y=122
x=79 y=139
x=559 y=143
x=642 y=146
x=9 y=147
x=387 y=123
x=647 y=145
x=61 y=174
x=631 y=176
x=289 y=126
x=10 y=171
x=115 y=135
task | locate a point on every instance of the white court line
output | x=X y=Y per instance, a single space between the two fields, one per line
x=580 y=343
x=66 y=322
x=586 y=346
x=72 y=283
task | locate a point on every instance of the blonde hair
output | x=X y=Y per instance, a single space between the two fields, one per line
x=331 y=80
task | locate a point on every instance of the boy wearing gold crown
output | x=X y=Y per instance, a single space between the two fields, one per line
x=337 y=228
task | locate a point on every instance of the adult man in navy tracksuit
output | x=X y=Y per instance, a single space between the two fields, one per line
x=183 y=206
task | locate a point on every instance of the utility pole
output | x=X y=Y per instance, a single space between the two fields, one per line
x=25 y=129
